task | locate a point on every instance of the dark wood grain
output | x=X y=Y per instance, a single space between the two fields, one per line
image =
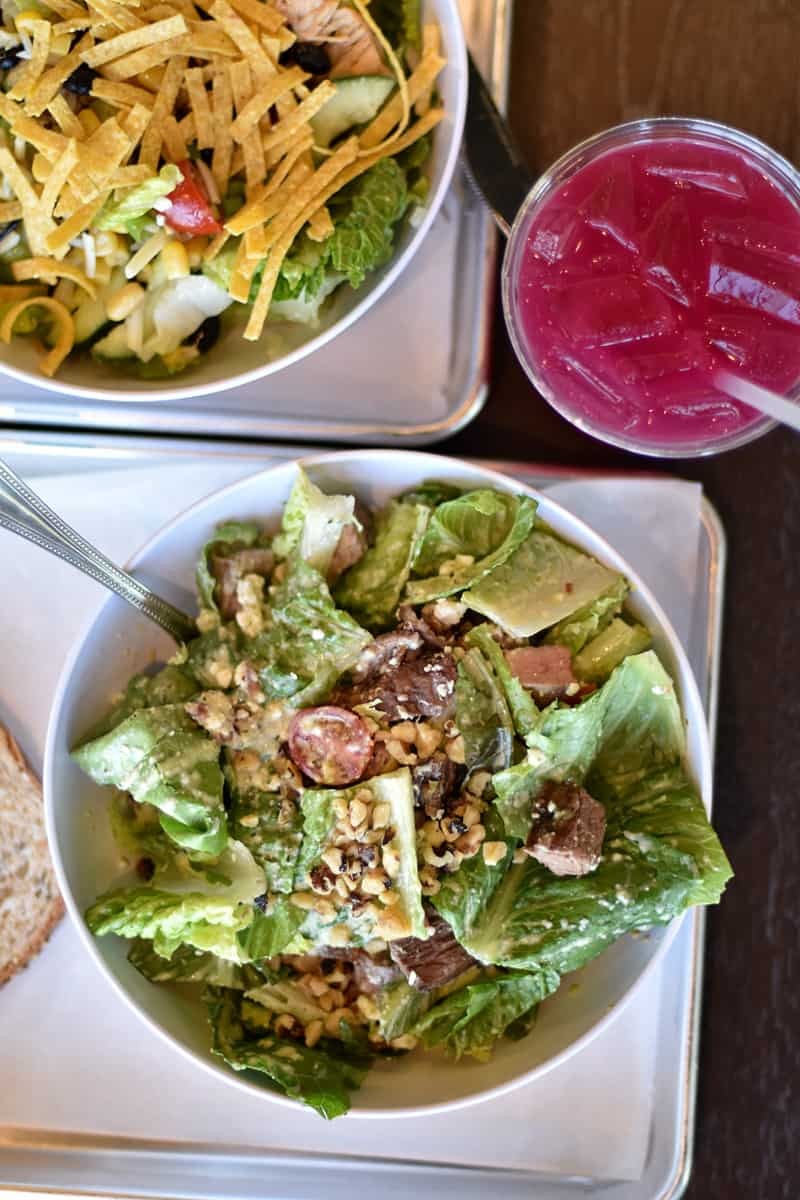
x=579 y=66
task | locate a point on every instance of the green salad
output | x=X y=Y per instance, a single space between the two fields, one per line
x=415 y=767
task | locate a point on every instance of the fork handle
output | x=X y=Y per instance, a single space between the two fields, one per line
x=26 y=514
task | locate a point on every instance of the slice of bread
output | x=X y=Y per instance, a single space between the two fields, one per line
x=30 y=902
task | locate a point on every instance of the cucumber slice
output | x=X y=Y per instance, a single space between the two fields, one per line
x=90 y=315
x=357 y=100
x=114 y=345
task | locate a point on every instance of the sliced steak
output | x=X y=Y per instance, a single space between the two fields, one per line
x=432 y=963
x=406 y=678
x=568 y=830
x=411 y=623
x=350 y=549
x=545 y=670
x=434 y=782
x=230 y=568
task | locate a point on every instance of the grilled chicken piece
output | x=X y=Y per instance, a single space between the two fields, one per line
x=350 y=44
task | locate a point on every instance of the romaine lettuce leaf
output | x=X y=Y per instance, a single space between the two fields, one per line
x=400 y=20
x=274 y=840
x=162 y=758
x=581 y=626
x=464 y=896
x=476 y=524
x=283 y=996
x=313 y=523
x=632 y=724
x=454 y=576
x=472 y=1019
x=523 y=710
x=317 y=1076
x=544 y=581
x=365 y=214
x=187 y=965
x=430 y=493
x=137 y=831
x=319 y=821
x=270 y=932
x=136 y=201
x=309 y=643
x=603 y=653
x=482 y=715
x=371 y=590
x=207 y=922
x=400 y=1006
x=212 y=656
x=171 y=685
x=228 y=537
x=537 y=920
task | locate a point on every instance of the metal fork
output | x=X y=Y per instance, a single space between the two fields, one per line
x=26 y=514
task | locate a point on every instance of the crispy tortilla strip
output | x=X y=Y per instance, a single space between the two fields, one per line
x=134 y=39
x=280 y=247
x=37 y=224
x=50 y=82
x=391 y=114
x=150 y=148
x=215 y=245
x=320 y=227
x=174 y=141
x=75 y=224
x=67 y=9
x=290 y=125
x=118 y=15
x=198 y=98
x=10 y=210
x=206 y=40
x=135 y=122
x=141 y=62
x=11 y=292
x=49 y=143
x=27 y=79
x=59 y=174
x=258 y=14
x=51 y=361
x=315 y=185
x=265 y=206
x=263 y=99
x=131 y=176
x=65 y=119
x=121 y=95
x=222 y=113
x=242 y=273
x=187 y=128
x=240 y=33
x=49 y=271
x=255 y=243
x=252 y=153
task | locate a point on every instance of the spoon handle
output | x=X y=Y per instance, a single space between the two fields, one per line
x=26 y=514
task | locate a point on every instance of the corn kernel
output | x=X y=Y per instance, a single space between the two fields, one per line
x=174 y=260
x=195 y=249
x=122 y=303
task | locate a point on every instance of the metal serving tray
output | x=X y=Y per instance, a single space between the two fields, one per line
x=69 y=1163
x=359 y=387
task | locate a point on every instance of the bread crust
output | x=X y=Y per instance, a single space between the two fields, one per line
x=47 y=917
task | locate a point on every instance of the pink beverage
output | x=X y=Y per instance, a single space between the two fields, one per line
x=644 y=261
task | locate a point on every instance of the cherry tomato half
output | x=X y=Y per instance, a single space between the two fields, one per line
x=191 y=211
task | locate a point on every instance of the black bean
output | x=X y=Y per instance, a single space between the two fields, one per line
x=81 y=80
x=206 y=336
x=4 y=229
x=145 y=868
x=308 y=56
x=10 y=57
x=261 y=902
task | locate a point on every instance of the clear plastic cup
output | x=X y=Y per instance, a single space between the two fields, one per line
x=644 y=242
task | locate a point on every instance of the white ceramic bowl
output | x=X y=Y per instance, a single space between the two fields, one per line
x=118 y=642
x=233 y=361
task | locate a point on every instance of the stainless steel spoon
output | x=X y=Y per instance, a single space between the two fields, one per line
x=25 y=513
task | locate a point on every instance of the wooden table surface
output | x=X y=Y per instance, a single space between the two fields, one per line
x=579 y=66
